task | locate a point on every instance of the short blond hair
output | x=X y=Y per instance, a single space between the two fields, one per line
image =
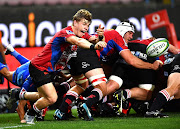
x=82 y=13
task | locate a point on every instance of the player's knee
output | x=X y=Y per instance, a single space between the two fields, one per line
x=117 y=79
x=52 y=99
x=148 y=88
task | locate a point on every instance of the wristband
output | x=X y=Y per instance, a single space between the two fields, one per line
x=92 y=47
x=101 y=37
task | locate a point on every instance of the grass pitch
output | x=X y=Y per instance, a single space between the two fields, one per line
x=11 y=120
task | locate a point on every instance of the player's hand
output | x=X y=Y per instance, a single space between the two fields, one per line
x=157 y=64
x=100 y=30
x=100 y=45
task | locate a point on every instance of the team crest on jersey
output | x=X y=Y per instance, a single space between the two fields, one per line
x=69 y=32
x=74 y=48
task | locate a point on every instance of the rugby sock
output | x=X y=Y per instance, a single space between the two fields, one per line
x=63 y=88
x=67 y=101
x=34 y=110
x=22 y=93
x=88 y=90
x=95 y=96
x=105 y=99
x=161 y=98
x=19 y=57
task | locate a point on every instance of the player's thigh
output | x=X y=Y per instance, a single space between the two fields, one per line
x=174 y=82
x=47 y=91
x=94 y=72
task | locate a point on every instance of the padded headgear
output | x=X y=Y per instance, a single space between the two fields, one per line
x=124 y=27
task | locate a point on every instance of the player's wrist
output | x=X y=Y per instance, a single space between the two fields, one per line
x=101 y=37
x=92 y=47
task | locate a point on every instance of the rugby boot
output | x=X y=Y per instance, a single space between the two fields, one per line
x=9 y=49
x=14 y=93
x=29 y=118
x=155 y=114
x=84 y=112
x=120 y=99
x=126 y=108
x=58 y=115
x=40 y=116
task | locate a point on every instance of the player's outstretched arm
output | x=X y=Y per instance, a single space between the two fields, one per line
x=138 y=63
x=85 y=43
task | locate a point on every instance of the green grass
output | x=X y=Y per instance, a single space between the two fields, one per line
x=11 y=120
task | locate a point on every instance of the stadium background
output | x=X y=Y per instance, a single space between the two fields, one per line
x=28 y=24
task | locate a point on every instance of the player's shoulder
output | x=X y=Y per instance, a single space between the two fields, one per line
x=144 y=41
x=65 y=31
x=113 y=34
x=110 y=31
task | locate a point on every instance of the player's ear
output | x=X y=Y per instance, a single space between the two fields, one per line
x=152 y=38
x=74 y=22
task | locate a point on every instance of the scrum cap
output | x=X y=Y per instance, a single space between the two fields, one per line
x=124 y=27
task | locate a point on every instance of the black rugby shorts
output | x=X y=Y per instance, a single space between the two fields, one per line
x=85 y=61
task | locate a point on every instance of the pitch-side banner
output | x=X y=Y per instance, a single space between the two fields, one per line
x=34 y=26
x=157 y=19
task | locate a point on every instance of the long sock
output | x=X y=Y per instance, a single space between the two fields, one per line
x=95 y=96
x=67 y=101
x=34 y=110
x=161 y=98
x=19 y=57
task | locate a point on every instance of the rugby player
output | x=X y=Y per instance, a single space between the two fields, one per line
x=115 y=42
x=172 y=67
x=55 y=55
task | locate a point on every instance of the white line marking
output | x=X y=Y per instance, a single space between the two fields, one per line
x=8 y=127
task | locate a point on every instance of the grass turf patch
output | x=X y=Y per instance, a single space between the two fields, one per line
x=11 y=120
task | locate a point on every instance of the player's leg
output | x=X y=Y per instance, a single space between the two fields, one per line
x=46 y=91
x=167 y=94
x=5 y=72
x=98 y=80
x=81 y=83
x=164 y=96
x=13 y=52
x=18 y=94
x=143 y=93
x=49 y=97
x=113 y=84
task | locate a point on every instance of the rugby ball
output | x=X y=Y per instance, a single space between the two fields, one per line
x=157 y=47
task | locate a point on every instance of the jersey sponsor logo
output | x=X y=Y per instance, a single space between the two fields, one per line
x=69 y=32
x=85 y=65
x=139 y=55
x=176 y=67
x=168 y=61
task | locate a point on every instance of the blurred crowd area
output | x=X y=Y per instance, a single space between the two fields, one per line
x=172 y=3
